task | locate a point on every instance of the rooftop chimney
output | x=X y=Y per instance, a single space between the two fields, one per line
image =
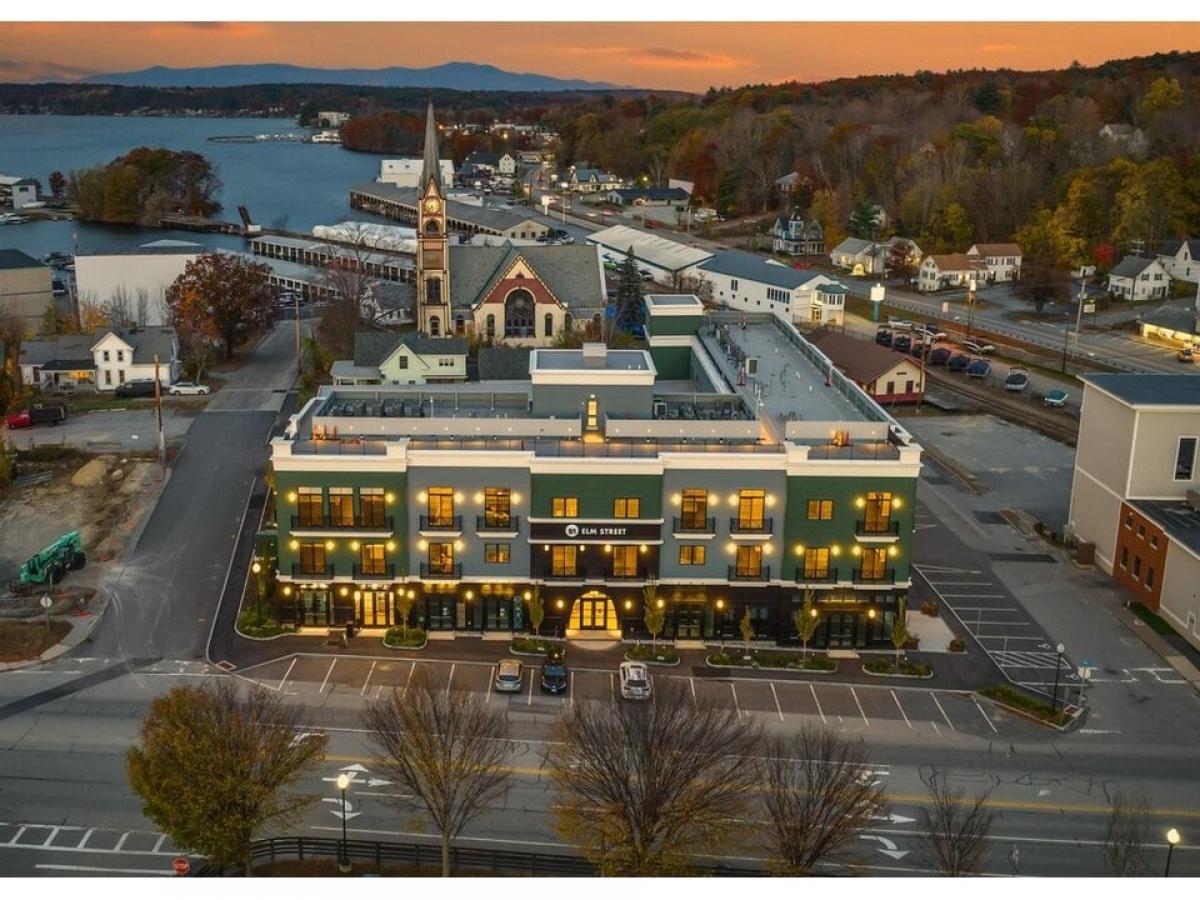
x=594 y=355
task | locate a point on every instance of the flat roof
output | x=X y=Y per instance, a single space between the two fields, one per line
x=574 y=360
x=1177 y=518
x=1138 y=389
x=690 y=301
x=658 y=251
x=752 y=267
x=490 y=217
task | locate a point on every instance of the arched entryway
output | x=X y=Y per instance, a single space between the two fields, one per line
x=593 y=615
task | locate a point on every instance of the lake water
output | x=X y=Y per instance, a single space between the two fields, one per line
x=283 y=184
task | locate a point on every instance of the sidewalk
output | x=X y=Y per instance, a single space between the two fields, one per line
x=1171 y=655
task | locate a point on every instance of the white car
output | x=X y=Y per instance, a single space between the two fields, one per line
x=188 y=388
x=980 y=348
x=509 y=675
x=635 y=681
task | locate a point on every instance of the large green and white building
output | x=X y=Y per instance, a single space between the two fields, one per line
x=599 y=479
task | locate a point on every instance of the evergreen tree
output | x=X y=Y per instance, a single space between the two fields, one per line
x=629 y=294
x=864 y=223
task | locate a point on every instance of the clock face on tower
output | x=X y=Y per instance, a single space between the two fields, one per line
x=432 y=205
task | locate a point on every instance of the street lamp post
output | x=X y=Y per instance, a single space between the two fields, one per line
x=1058 y=654
x=255 y=568
x=343 y=782
x=970 y=305
x=1172 y=839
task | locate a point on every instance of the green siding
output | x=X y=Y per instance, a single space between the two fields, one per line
x=342 y=557
x=596 y=493
x=672 y=363
x=675 y=326
x=840 y=530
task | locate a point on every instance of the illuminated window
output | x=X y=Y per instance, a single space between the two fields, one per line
x=341 y=506
x=874 y=560
x=371 y=559
x=441 y=559
x=816 y=562
x=310 y=510
x=624 y=562
x=440 y=505
x=691 y=554
x=749 y=561
x=562 y=559
x=497 y=507
x=497 y=553
x=626 y=507
x=564 y=507
x=751 y=507
x=820 y=510
x=878 y=513
x=370 y=506
x=694 y=509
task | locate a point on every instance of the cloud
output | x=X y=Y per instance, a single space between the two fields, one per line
x=34 y=70
x=662 y=57
x=998 y=48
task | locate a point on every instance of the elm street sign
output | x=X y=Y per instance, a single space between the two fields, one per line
x=594 y=531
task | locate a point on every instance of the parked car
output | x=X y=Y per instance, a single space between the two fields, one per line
x=138 y=387
x=958 y=362
x=883 y=337
x=1055 y=398
x=37 y=415
x=979 y=368
x=1186 y=355
x=1017 y=380
x=635 y=681
x=555 y=677
x=902 y=343
x=938 y=356
x=509 y=675
x=982 y=348
x=899 y=323
x=919 y=349
x=934 y=331
x=182 y=388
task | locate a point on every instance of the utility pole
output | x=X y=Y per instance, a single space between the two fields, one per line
x=299 y=358
x=970 y=305
x=162 y=444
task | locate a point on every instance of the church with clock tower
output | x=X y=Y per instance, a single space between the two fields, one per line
x=520 y=296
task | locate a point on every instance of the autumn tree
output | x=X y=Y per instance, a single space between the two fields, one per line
x=144 y=185
x=817 y=798
x=655 y=614
x=223 y=298
x=214 y=769
x=445 y=749
x=645 y=788
x=806 y=621
x=899 y=632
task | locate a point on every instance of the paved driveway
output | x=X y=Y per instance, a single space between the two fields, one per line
x=110 y=430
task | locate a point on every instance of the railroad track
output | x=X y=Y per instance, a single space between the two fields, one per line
x=1060 y=426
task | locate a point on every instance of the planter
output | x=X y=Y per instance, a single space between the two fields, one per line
x=547 y=642
x=894 y=674
x=761 y=667
x=654 y=660
x=1026 y=714
x=412 y=635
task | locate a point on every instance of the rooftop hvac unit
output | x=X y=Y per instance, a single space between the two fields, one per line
x=752 y=365
x=660 y=409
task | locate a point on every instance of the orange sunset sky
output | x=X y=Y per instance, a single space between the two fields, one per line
x=688 y=56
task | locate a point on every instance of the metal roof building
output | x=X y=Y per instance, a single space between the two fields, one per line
x=663 y=257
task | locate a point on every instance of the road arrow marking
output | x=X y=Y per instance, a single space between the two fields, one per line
x=895 y=819
x=344 y=815
x=889 y=846
x=357 y=767
x=377 y=782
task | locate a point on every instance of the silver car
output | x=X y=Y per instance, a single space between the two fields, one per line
x=180 y=388
x=509 y=675
x=635 y=681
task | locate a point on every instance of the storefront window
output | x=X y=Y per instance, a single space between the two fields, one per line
x=624 y=562
x=562 y=559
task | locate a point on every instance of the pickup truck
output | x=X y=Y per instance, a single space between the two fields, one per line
x=37 y=415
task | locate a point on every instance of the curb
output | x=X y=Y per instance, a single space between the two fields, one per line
x=866 y=671
x=653 y=662
x=754 y=668
x=1029 y=717
x=405 y=649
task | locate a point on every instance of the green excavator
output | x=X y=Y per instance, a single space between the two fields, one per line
x=50 y=564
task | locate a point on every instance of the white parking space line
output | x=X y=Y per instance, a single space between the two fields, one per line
x=980 y=622
x=989 y=608
x=860 y=709
x=571 y=691
x=327 y=674
x=1010 y=637
x=612 y=689
x=121 y=843
x=408 y=680
x=936 y=730
x=736 y=708
x=963 y=583
x=450 y=679
x=692 y=682
x=529 y=702
x=901 y=708
x=283 y=681
x=370 y=672
x=16 y=837
x=778 y=708
x=817 y=701
x=938 y=703
x=86 y=836
x=158 y=844
x=974 y=597
x=63 y=867
x=995 y=730
x=53 y=834
x=491 y=678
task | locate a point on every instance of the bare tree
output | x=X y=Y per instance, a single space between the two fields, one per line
x=817 y=797
x=641 y=787
x=349 y=276
x=1126 y=834
x=953 y=829
x=446 y=749
x=117 y=311
x=142 y=308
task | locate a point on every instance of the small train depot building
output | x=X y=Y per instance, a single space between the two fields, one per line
x=595 y=483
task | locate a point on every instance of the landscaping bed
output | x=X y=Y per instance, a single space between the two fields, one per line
x=1157 y=623
x=886 y=666
x=21 y=640
x=772 y=659
x=261 y=623
x=401 y=639
x=533 y=646
x=655 y=656
x=1007 y=695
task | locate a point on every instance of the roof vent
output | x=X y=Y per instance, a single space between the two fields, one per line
x=594 y=355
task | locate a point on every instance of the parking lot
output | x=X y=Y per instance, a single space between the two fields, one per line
x=348 y=682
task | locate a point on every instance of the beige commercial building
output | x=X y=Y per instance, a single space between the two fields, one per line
x=1135 y=493
x=25 y=290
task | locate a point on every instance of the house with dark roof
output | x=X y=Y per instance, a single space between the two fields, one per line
x=797 y=236
x=748 y=282
x=496 y=163
x=1177 y=326
x=1181 y=259
x=385 y=357
x=1003 y=261
x=26 y=289
x=862 y=257
x=947 y=270
x=888 y=376
x=102 y=360
x=1136 y=278
x=586 y=180
x=647 y=196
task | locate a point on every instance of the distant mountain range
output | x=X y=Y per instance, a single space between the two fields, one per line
x=455 y=76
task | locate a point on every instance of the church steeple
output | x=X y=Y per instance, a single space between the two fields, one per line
x=432 y=167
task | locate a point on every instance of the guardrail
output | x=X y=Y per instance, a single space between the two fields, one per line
x=498 y=862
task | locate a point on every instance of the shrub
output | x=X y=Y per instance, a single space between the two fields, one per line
x=929 y=608
x=397 y=637
x=261 y=623
x=958 y=645
x=644 y=653
x=774 y=659
x=532 y=645
x=1039 y=709
x=887 y=666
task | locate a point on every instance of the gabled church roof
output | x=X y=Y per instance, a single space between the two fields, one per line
x=572 y=273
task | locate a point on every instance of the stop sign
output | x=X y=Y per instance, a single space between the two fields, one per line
x=181 y=866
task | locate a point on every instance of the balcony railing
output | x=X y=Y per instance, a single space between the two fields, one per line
x=882 y=529
x=384 y=571
x=749 y=526
x=453 y=571
x=512 y=523
x=441 y=523
x=552 y=574
x=299 y=570
x=638 y=574
x=885 y=576
x=378 y=523
x=829 y=576
x=695 y=526
x=743 y=574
